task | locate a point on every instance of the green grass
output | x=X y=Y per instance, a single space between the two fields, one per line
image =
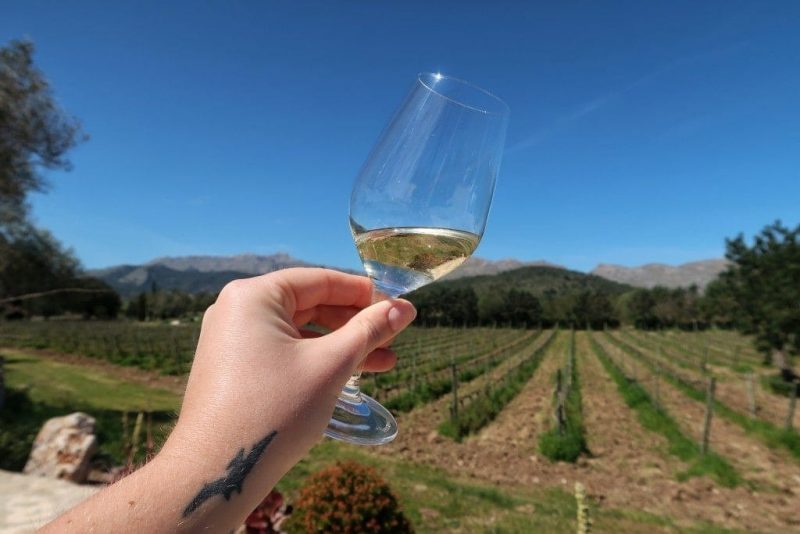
x=436 y=501
x=655 y=419
x=54 y=382
x=770 y=434
x=39 y=388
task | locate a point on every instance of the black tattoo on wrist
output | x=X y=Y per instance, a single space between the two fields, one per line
x=238 y=468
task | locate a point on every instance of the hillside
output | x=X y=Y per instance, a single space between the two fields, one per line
x=475 y=266
x=699 y=273
x=540 y=280
x=130 y=280
x=193 y=274
x=241 y=263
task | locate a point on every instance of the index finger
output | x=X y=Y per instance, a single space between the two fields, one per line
x=305 y=288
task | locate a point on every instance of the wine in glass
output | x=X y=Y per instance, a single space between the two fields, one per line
x=418 y=209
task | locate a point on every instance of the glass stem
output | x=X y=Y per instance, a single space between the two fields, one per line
x=351 y=391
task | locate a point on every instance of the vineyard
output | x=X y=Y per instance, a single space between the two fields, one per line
x=685 y=426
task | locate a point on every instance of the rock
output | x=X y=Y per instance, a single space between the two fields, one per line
x=64 y=448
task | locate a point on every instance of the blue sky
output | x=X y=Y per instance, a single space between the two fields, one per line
x=640 y=131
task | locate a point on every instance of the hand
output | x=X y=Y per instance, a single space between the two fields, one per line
x=260 y=394
x=255 y=366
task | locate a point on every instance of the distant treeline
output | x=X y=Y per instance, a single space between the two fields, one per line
x=643 y=308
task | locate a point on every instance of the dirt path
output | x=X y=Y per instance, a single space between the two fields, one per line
x=776 y=501
x=529 y=413
x=175 y=384
x=630 y=466
x=419 y=440
x=731 y=386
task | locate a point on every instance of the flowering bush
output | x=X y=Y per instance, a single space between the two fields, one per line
x=348 y=497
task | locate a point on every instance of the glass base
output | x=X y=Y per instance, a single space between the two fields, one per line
x=361 y=420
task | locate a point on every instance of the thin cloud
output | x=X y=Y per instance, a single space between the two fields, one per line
x=598 y=103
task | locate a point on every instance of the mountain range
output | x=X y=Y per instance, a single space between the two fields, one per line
x=698 y=273
x=195 y=274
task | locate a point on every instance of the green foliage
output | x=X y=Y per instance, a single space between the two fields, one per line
x=764 y=282
x=567 y=446
x=171 y=304
x=520 y=308
x=168 y=349
x=35 y=131
x=779 y=386
x=654 y=418
x=592 y=309
x=555 y=291
x=661 y=307
x=19 y=424
x=350 y=498
x=446 y=306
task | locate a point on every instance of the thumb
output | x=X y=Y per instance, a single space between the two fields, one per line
x=369 y=329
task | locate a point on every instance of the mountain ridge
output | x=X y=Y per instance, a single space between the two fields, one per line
x=209 y=273
x=699 y=273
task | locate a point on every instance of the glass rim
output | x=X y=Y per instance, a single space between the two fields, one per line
x=421 y=78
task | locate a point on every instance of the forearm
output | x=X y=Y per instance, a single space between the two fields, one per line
x=196 y=483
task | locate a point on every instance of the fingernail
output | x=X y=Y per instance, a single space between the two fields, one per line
x=400 y=316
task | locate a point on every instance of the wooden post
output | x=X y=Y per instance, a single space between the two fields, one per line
x=704 y=365
x=2 y=383
x=709 y=414
x=414 y=365
x=560 y=419
x=792 y=405
x=455 y=393
x=751 y=395
x=656 y=392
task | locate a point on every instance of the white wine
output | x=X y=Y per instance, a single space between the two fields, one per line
x=400 y=260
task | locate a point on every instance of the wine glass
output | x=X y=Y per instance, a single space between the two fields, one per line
x=418 y=209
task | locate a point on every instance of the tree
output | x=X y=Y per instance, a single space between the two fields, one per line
x=718 y=305
x=640 y=309
x=592 y=309
x=446 y=306
x=764 y=281
x=522 y=308
x=31 y=260
x=35 y=132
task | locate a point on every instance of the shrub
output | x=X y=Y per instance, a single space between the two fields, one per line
x=778 y=385
x=348 y=497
